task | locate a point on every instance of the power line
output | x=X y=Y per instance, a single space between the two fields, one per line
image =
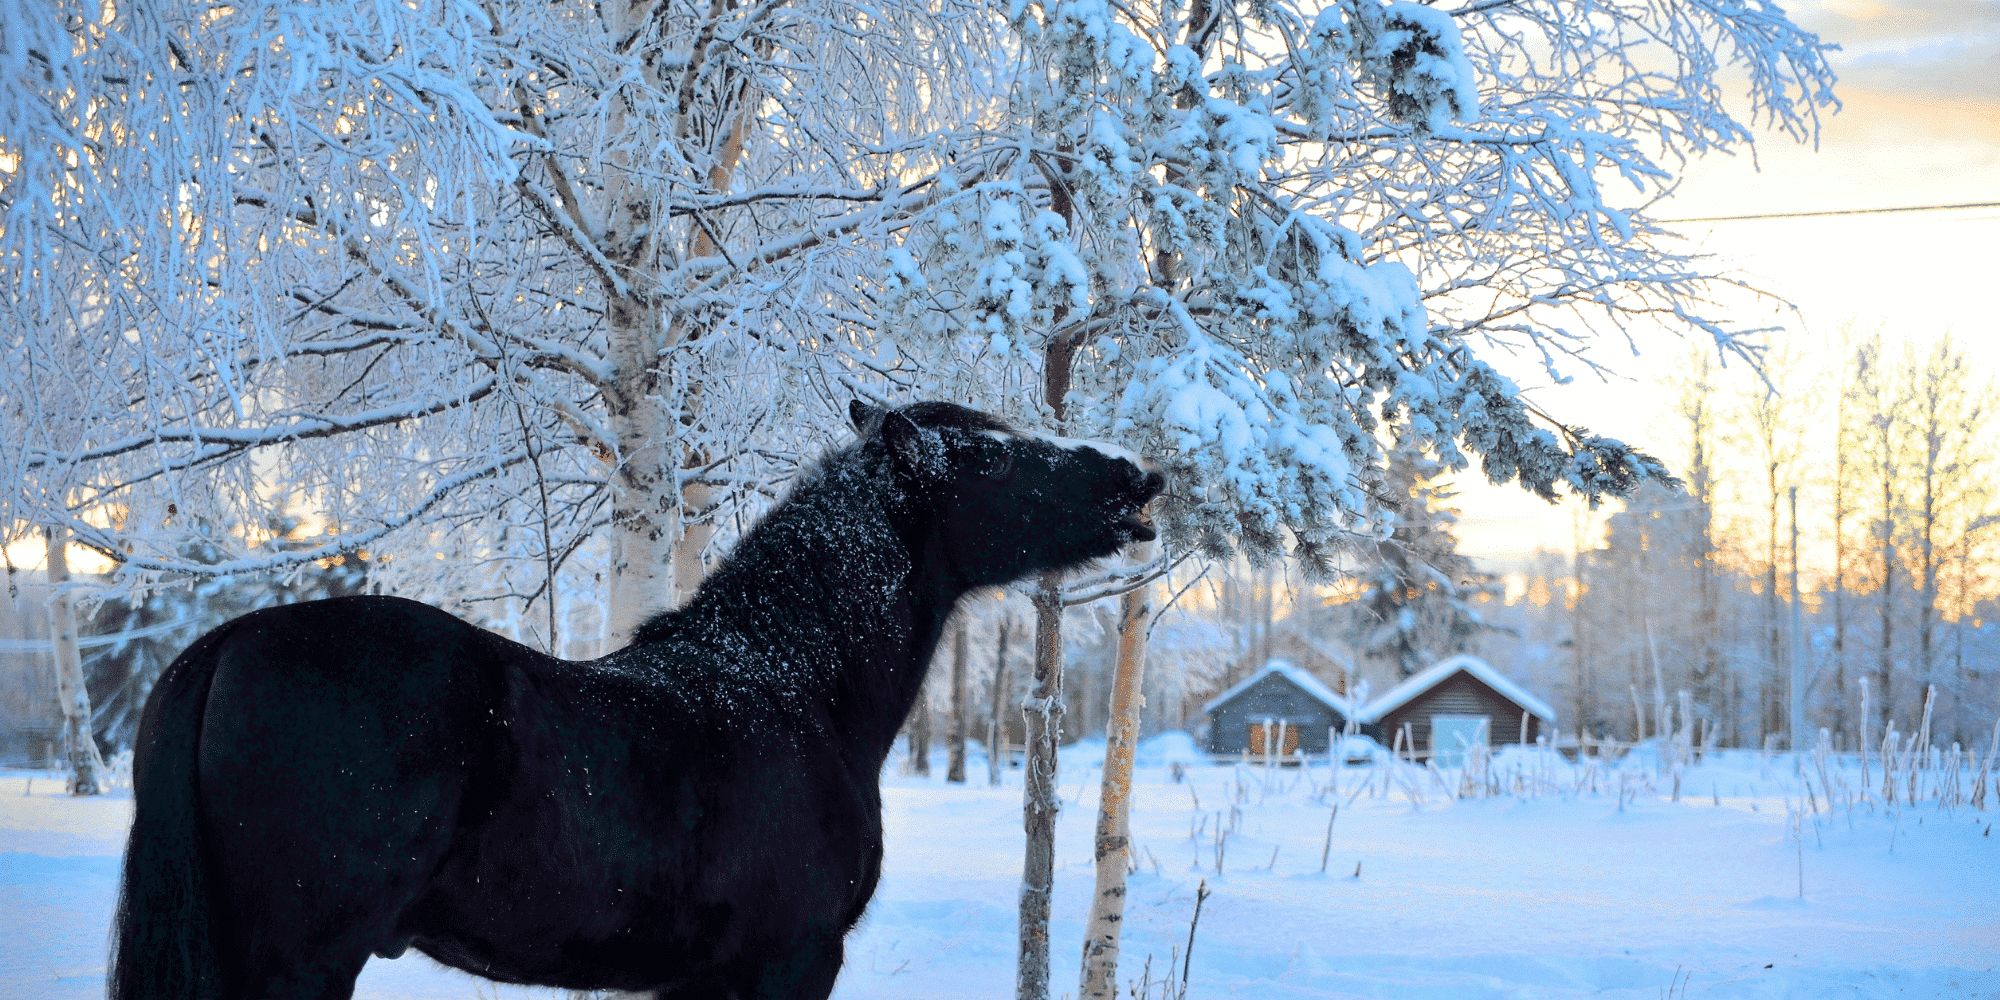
x=1847 y=211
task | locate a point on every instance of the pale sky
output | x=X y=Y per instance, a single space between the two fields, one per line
x=1920 y=84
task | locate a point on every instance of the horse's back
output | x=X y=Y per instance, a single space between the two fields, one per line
x=341 y=741
x=352 y=682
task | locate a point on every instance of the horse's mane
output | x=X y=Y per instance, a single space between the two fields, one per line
x=930 y=414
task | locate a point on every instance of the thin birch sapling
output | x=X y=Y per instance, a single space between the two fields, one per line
x=87 y=773
x=1113 y=844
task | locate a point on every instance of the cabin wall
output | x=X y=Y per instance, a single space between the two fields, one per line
x=30 y=718
x=1459 y=694
x=1271 y=698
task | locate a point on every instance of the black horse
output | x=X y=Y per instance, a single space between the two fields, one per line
x=696 y=814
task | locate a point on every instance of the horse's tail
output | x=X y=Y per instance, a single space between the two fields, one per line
x=163 y=937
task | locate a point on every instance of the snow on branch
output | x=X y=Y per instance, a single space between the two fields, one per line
x=213 y=443
x=1116 y=580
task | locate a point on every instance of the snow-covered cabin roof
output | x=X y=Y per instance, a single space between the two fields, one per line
x=1303 y=681
x=1431 y=676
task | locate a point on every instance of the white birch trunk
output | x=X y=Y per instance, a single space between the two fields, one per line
x=645 y=518
x=645 y=513
x=662 y=528
x=1114 y=839
x=86 y=765
x=919 y=726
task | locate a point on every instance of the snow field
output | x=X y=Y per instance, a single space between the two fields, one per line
x=1555 y=895
x=1550 y=896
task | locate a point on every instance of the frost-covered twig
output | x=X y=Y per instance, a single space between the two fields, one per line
x=107 y=544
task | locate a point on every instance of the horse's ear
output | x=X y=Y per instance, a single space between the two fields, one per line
x=919 y=450
x=866 y=417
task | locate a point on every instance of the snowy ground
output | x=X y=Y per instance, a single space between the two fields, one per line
x=1555 y=893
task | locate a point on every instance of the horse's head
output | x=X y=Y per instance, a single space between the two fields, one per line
x=996 y=504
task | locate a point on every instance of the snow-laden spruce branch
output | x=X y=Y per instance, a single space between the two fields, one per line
x=1265 y=243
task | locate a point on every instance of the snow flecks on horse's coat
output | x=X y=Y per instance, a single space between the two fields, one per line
x=697 y=814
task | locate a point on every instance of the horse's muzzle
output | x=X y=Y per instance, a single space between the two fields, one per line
x=1148 y=486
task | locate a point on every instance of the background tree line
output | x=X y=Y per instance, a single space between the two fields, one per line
x=1888 y=445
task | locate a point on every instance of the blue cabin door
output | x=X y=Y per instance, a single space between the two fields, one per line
x=1451 y=734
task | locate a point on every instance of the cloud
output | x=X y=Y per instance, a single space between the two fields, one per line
x=1940 y=48
x=1861 y=22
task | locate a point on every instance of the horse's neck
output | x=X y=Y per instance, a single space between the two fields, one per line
x=855 y=614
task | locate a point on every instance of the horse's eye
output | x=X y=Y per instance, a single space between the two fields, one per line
x=997 y=463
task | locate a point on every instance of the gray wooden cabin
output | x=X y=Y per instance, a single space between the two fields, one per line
x=1278 y=702
x=1452 y=703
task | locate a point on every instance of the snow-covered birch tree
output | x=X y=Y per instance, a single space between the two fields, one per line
x=87 y=775
x=415 y=266
x=1883 y=458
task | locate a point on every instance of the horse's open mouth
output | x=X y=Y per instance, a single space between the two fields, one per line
x=1139 y=530
x=1150 y=483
